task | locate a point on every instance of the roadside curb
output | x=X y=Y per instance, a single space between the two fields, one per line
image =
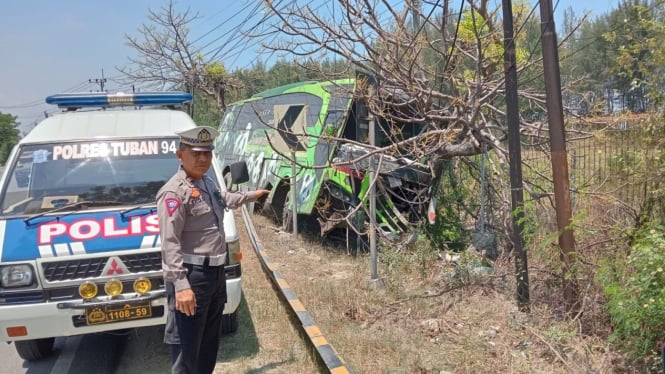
x=326 y=353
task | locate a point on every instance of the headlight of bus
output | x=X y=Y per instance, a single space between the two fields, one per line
x=16 y=276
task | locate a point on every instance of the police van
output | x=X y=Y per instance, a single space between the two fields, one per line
x=79 y=234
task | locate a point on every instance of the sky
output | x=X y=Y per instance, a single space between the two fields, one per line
x=52 y=47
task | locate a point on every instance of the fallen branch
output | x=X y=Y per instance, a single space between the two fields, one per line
x=556 y=352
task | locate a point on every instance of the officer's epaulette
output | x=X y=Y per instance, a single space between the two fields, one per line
x=183 y=191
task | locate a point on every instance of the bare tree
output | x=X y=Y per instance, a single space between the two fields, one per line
x=451 y=83
x=435 y=67
x=439 y=68
x=167 y=59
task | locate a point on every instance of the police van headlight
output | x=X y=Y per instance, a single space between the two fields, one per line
x=142 y=286
x=235 y=254
x=87 y=290
x=16 y=276
x=113 y=287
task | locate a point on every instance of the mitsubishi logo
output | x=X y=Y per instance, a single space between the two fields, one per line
x=114 y=266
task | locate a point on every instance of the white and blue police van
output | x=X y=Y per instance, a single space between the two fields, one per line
x=79 y=234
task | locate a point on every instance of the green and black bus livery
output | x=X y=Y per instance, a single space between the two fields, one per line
x=324 y=126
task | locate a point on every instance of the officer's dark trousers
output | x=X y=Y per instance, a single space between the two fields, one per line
x=195 y=340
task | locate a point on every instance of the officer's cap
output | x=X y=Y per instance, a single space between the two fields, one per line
x=199 y=138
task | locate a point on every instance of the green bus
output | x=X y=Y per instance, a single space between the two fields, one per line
x=323 y=126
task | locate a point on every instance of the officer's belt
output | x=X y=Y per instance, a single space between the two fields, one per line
x=203 y=260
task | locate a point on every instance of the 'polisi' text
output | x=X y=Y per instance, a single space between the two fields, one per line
x=90 y=228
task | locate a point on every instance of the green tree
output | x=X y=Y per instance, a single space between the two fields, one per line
x=587 y=60
x=616 y=57
x=251 y=81
x=636 y=34
x=259 y=77
x=9 y=135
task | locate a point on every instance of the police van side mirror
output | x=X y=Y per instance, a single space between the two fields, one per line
x=239 y=172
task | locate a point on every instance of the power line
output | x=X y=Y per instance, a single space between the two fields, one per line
x=99 y=81
x=33 y=103
x=237 y=46
x=221 y=24
x=232 y=34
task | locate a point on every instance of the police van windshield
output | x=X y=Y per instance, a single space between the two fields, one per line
x=121 y=172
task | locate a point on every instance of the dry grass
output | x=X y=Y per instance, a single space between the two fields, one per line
x=265 y=341
x=427 y=321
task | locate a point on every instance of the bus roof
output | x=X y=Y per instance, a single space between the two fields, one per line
x=305 y=86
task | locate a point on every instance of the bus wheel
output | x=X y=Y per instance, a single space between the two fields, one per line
x=287 y=214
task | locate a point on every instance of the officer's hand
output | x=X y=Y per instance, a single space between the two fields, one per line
x=260 y=193
x=185 y=302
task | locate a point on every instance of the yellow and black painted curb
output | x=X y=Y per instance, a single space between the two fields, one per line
x=325 y=351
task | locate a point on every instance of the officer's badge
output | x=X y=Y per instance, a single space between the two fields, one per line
x=172 y=205
x=196 y=193
x=204 y=136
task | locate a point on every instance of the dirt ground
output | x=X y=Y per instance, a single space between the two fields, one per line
x=427 y=318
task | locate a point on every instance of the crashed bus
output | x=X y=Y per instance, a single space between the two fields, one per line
x=323 y=126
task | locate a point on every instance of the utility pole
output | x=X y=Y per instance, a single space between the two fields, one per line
x=374 y=281
x=559 y=154
x=373 y=257
x=416 y=16
x=515 y=155
x=99 y=81
x=294 y=195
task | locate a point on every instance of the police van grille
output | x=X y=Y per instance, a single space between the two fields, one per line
x=137 y=263
x=73 y=269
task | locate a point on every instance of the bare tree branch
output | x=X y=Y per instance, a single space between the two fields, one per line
x=166 y=59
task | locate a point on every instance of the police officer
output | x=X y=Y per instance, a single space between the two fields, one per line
x=190 y=207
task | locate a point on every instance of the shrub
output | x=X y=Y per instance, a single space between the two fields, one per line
x=634 y=284
x=447 y=232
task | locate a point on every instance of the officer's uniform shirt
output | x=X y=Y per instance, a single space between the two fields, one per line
x=191 y=219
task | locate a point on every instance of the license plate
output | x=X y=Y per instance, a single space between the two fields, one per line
x=117 y=313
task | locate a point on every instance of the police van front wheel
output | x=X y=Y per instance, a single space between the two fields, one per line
x=230 y=322
x=36 y=349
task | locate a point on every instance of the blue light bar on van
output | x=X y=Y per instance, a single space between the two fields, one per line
x=101 y=99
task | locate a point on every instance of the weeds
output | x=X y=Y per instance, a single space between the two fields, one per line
x=635 y=287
